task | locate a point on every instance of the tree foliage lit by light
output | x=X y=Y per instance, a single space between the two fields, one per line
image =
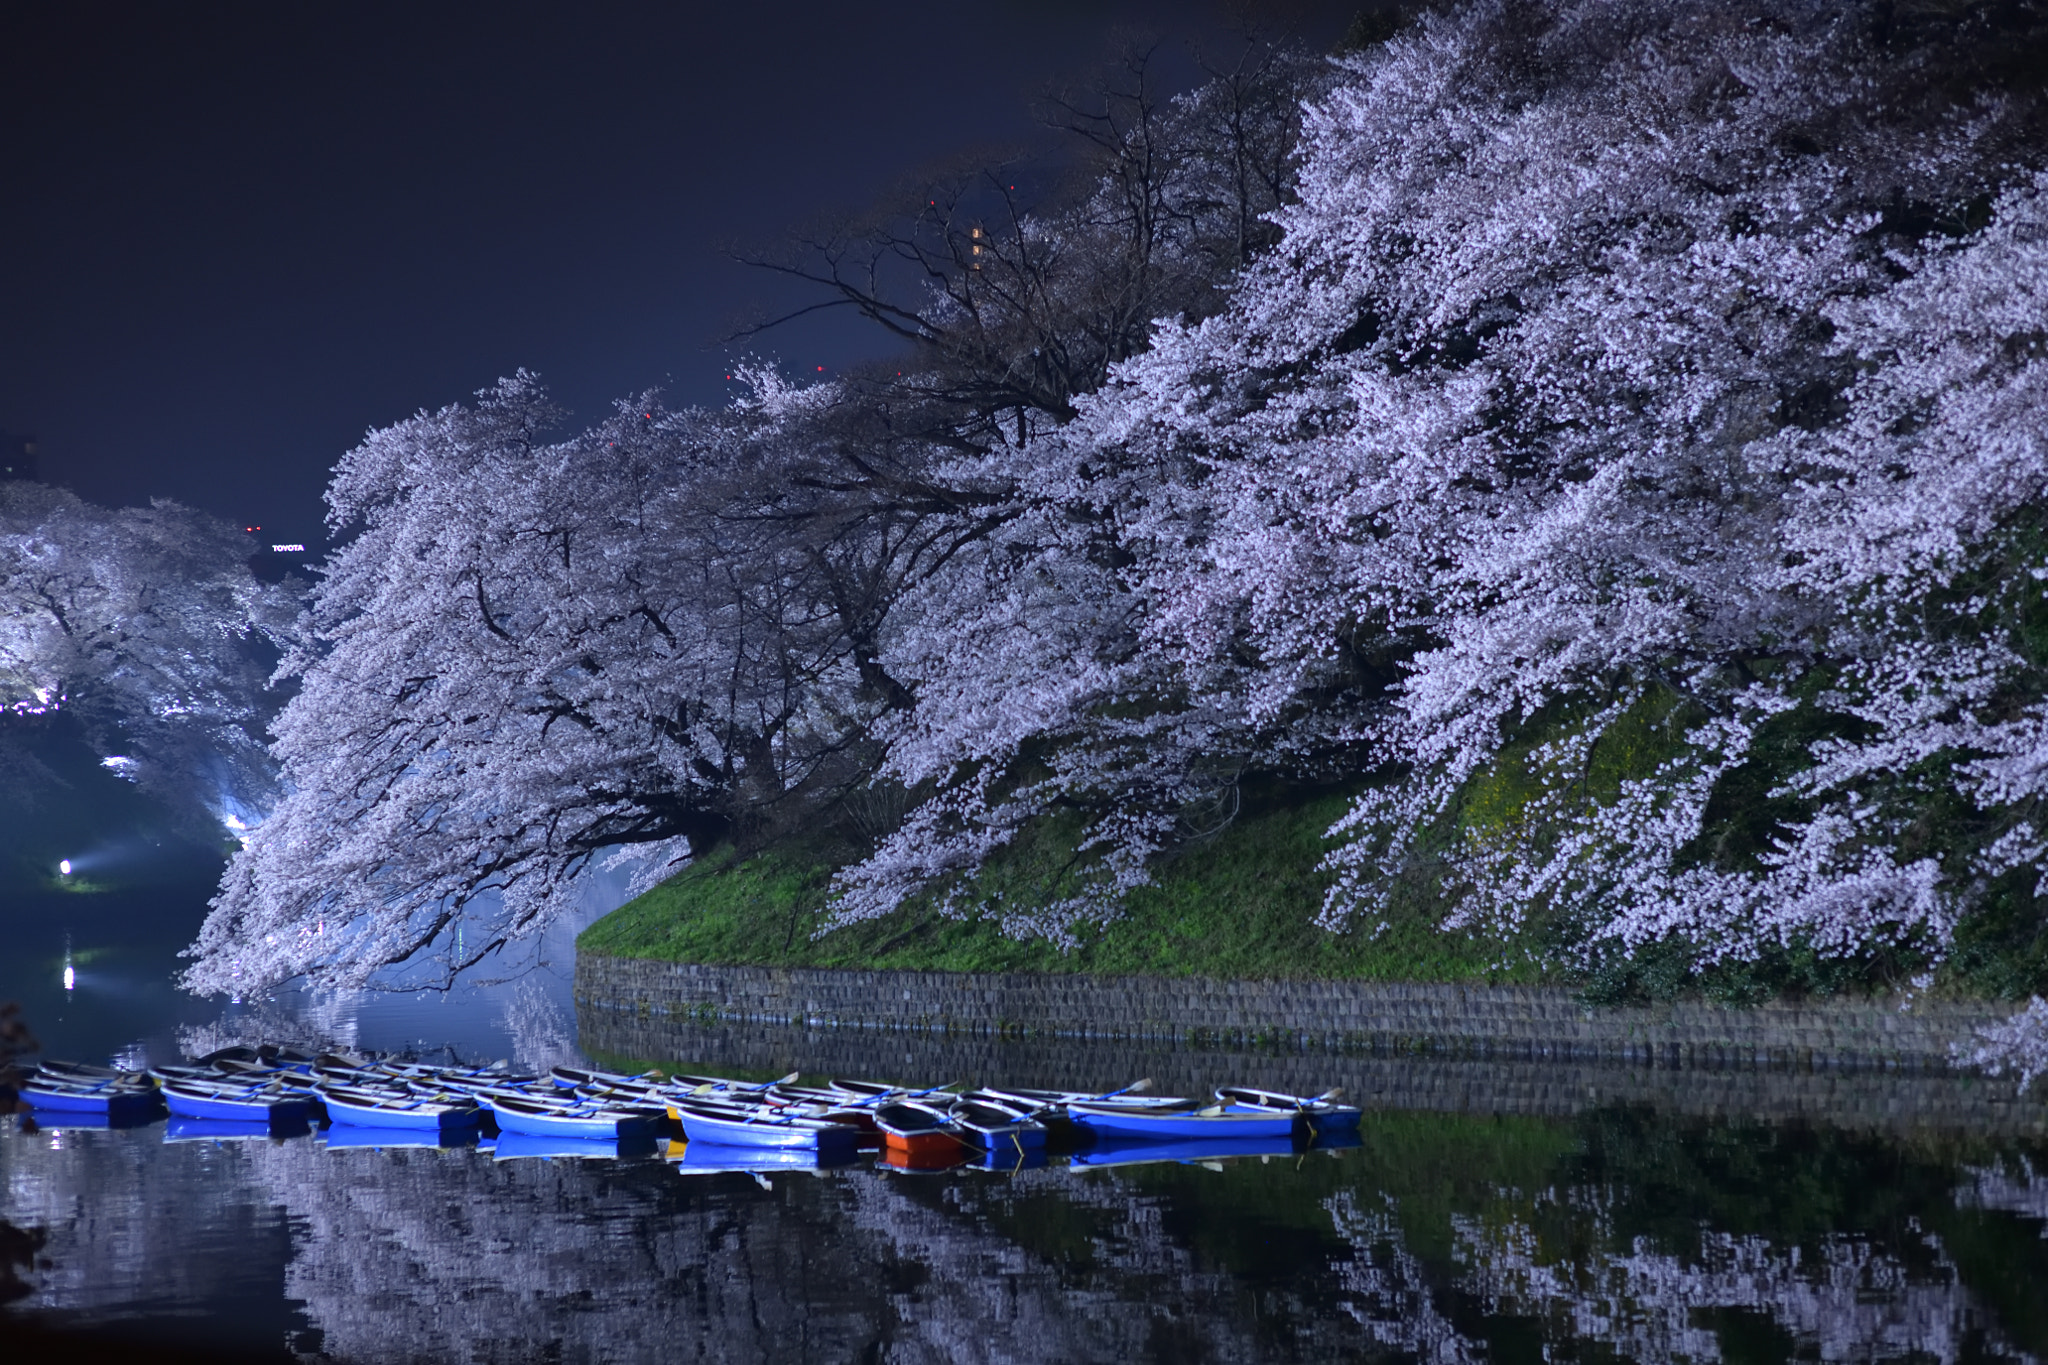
x=1592 y=370
x=144 y=625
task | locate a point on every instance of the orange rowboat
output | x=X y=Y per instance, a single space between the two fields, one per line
x=918 y=1132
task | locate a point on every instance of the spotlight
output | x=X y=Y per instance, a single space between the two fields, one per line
x=70 y=977
x=64 y=868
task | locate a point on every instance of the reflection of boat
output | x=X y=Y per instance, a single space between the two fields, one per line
x=898 y=1159
x=79 y=1120
x=346 y=1135
x=1150 y=1121
x=513 y=1146
x=1126 y=1152
x=1008 y=1158
x=182 y=1128
x=709 y=1158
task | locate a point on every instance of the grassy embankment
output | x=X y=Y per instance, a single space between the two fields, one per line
x=1240 y=905
x=1243 y=904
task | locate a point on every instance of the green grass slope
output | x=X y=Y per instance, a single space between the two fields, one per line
x=1240 y=905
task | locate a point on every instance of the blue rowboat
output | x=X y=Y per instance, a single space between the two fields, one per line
x=514 y=1146
x=827 y=1105
x=736 y=1126
x=463 y=1084
x=247 y=1073
x=169 y=1072
x=370 y=1109
x=497 y=1072
x=1148 y=1121
x=87 y=1074
x=1322 y=1111
x=197 y=1100
x=874 y=1091
x=109 y=1100
x=1125 y=1152
x=291 y=1059
x=725 y=1084
x=1042 y=1100
x=183 y=1129
x=569 y=1077
x=605 y=1123
x=995 y=1127
x=328 y=1074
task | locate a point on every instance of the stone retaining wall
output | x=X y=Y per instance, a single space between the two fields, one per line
x=1866 y=1100
x=1508 y=1022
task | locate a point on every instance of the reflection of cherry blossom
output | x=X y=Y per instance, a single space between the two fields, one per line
x=2014 y=1186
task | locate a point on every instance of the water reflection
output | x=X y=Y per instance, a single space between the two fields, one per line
x=1618 y=1233
x=95 y=972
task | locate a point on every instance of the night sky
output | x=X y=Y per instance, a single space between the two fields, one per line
x=234 y=237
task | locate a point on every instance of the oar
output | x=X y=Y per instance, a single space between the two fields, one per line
x=1136 y=1087
x=865 y=1101
x=751 y=1087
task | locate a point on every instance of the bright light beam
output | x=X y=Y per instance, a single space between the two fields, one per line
x=64 y=869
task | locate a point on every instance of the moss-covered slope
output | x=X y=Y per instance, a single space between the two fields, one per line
x=1240 y=905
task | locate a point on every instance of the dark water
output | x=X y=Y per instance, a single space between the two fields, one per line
x=1615 y=1234
x=1490 y=1212
x=121 y=941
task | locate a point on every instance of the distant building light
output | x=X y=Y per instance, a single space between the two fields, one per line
x=287 y=549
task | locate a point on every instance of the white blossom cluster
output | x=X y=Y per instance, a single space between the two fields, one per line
x=1618 y=453
x=1610 y=366
x=526 y=653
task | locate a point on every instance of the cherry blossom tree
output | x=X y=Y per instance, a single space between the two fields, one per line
x=1612 y=375
x=1607 y=445
x=146 y=626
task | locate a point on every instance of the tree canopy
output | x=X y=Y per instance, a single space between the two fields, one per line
x=1607 y=435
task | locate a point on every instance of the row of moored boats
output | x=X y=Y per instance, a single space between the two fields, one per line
x=277 y=1090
